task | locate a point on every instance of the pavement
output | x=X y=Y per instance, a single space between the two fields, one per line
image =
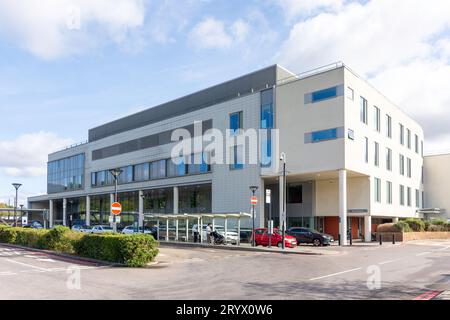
x=417 y=270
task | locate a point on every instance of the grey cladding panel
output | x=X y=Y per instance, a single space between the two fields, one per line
x=143 y=143
x=202 y=99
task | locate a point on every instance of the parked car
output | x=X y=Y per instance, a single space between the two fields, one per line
x=101 y=229
x=147 y=230
x=307 y=235
x=34 y=225
x=82 y=228
x=262 y=238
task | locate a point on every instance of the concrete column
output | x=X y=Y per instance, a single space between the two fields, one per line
x=64 y=212
x=343 y=206
x=394 y=220
x=88 y=210
x=141 y=209
x=368 y=228
x=111 y=201
x=176 y=230
x=175 y=200
x=50 y=214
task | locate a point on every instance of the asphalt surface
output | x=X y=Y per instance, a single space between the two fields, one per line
x=418 y=270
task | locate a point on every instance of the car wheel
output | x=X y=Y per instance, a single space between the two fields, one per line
x=317 y=242
x=279 y=244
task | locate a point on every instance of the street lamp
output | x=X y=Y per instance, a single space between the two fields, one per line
x=21 y=211
x=253 y=190
x=283 y=222
x=16 y=186
x=115 y=173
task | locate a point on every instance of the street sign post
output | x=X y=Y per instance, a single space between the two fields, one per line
x=270 y=222
x=116 y=208
x=254 y=200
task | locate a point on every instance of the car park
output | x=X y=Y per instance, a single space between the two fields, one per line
x=231 y=236
x=307 y=235
x=147 y=230
x=262 y=238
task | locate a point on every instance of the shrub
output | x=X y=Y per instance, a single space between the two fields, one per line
x=415 y=224
x=436 y=228
x=403 y=226
x=438 y=222
x=132 y=250
x=427 y=226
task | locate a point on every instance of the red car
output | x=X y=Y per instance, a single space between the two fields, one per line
x=262 y=238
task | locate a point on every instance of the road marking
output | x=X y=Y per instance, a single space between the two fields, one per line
x=423 y=253
x=442 y=249
x=428 y=295
x=335 y=274
x=26 y=264
x=388 y=261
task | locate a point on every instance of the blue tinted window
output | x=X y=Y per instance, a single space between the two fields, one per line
x=266 y=116
x=324 y=94
x=236 y=121
x=324 y=135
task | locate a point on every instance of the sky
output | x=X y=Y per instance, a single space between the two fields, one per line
x=69 y=65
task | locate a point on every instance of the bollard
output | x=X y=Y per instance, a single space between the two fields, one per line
x=351 y=239
x=393 y=239
x=339 y=239
x=381 y=239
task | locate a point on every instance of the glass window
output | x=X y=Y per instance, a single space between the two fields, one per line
x=142 y=172
x=402 y=165
x=295 y=193
x=408 y=196
x=324 y=135
x=199 y=164
x=324 y=94
x=127 y=175
x=237 y=157
x=402 y=195
x=377 y=119
x=366 y=151
x=388 y=192
x=388 y=126
x=388 y=159
x=93 y=179
x=195 y=199
x=176 y=168
x=236 y=121
x=377 y=154
x=267 y=116
x=66 y=174
x=377 y=189
x=158 y=169
x=363 y=110
x=408 y=167
x=408 y=138
x=416 y=143
x=402 y=134
x=417 y=198
x=350 y=93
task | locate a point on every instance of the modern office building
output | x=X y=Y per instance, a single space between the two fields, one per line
x=353 y=158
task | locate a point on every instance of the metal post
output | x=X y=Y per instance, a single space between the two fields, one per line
x=115 y=200
x=284 y=204
x=253 y=189
x=381 y=240
x=187 y=230
x=239 y=230
x=157 y=229
x=167 y=229
x=269 y=224
x=226 y=229
x=393 y=238
x=339 y=239
x=16 y=186
x=176 y=229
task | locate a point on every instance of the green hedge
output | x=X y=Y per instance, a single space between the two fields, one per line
x=134 y=250
x=416 y=225
x=402 y=226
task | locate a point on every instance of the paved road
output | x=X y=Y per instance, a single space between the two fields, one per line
x=417 y=270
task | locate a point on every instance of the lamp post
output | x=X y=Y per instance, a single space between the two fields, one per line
x=16 y=186
x=143 y=196
x=115 y=173
x=21 y=211
x=253 y=190
x=283 y=223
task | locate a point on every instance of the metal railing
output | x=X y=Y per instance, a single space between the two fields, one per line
x=72 y=146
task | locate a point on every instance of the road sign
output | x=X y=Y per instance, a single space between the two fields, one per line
x=254 y=200
x=24 y=220
x=117 y=219
x=111 y=219
x=270 y=231
x=116 y=208
x=268 y=193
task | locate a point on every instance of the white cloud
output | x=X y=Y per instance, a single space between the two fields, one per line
x=401 y=46
x=294 y=8
x=240 y=30
x=54 y=28
x=210 y=33
x=26 y=156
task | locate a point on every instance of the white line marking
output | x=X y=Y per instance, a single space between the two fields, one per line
x=335 y=274
x=388 y=261
x=423 y=253
x=26 y=264
x=442 y=249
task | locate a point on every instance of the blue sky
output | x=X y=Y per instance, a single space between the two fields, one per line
x=69 y=65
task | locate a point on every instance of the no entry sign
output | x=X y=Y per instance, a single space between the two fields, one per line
x=254 y=200
x=116 y=208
